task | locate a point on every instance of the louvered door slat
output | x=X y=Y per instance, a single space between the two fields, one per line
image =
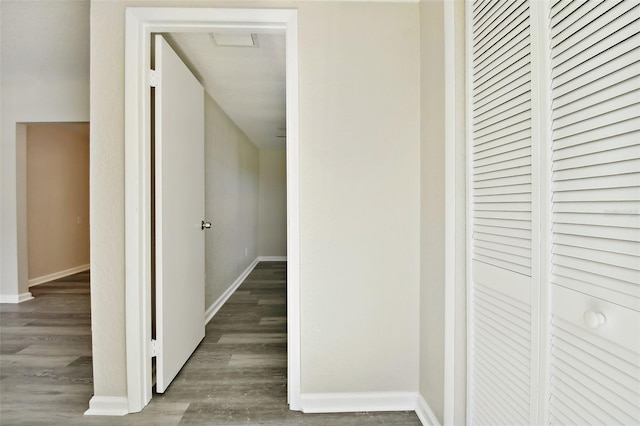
x=488 y=31
x=517 y=171
x=574 y=361
x=588 y=24
x=563 y=10
x=623 y=114
x=497 y=182
x=609 y=146
x=501 y=199
x=500 y=119
x=486 y=70
x=609 y=194
x=609 y=245
x=594 y=374
x=614 y=37
x=589 y=111
x=611 y=59
x=493 y=114
x=606 y=288
x=522 y=114
x=618 y=260
x=600 y=134
x=515 y=137
x=610 y=86
x=499 y=366
x=577 y=359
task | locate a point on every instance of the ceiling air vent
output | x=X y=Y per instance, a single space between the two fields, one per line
x=235 y=40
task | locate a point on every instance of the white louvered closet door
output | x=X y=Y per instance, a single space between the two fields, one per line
x=595 y=278
x=500 y=305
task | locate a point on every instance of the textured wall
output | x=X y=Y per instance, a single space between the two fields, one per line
x=360 y=163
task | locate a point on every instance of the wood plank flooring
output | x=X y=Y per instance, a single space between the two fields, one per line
x=237 y=376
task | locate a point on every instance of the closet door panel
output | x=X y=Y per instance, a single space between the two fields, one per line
x=595 y=275
x=500 y=307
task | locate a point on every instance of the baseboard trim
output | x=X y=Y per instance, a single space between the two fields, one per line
x=357 y=402
x=57 y=275
x=108 y=406
x=215 y=307
x=425 y=413
x=272 y=258
x=16 y=298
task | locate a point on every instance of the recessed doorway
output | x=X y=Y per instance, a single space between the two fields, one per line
x=141 y=24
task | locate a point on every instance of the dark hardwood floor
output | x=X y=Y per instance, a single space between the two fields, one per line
x=237 y=376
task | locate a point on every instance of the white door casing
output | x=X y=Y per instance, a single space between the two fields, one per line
x=141 y=22
x=179 y=201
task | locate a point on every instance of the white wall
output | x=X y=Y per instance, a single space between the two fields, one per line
x=45 y=67
x=432 y=226
x=231 y=187
x=360 y=163
x=272 y=220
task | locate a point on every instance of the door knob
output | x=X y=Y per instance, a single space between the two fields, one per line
x=594 y=319
x=205 y=225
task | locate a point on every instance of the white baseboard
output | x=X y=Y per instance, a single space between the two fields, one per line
x=357 y=402
x=108 y=406
x=272 y=258
x=56 y=275
x=424 y=412
x=16 y=298
x=215 y=307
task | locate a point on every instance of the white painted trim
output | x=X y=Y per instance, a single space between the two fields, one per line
x=15 y=298
x=469 y=201
x=108 y=406
x=140 y=23
x=57 y=275
x=357 y=402
x=215 y=307
x=450 y=207
x=541 y=74
x=425 y=413
x=294 y=368
x=272 y=258
x=537 y=130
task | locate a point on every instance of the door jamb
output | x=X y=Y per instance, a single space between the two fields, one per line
x=140 y=24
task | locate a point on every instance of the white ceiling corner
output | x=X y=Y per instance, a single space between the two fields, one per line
x=247 y=82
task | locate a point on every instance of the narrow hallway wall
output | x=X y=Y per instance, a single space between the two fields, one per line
x=231 y=201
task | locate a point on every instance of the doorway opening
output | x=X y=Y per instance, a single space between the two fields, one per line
x=141 y=24
x=57 y=200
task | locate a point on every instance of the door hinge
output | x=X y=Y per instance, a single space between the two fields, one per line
x=155 y=348
x=154 y=78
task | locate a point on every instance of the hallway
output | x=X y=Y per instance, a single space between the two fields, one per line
x=237 y=376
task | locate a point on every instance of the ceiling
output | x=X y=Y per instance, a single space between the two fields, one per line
x=247 y=82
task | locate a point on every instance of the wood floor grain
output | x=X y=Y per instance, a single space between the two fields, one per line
x=237 y=376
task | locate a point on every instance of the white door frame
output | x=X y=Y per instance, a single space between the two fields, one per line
x=140 y=24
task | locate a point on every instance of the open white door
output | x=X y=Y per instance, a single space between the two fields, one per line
x=179 y=162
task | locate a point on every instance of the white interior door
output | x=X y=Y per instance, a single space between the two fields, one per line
x=179 y=162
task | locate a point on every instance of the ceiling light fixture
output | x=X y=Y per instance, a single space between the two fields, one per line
x=235 y=40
